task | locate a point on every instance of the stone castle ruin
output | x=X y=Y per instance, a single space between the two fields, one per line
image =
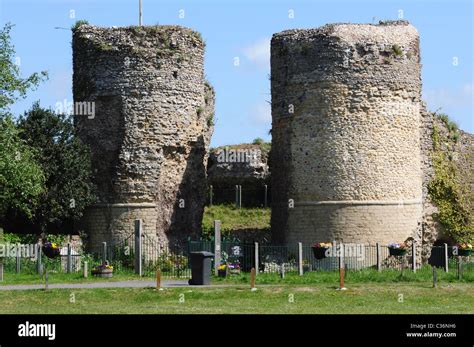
x=351 y=151
x=346 y=153
x=151 y=130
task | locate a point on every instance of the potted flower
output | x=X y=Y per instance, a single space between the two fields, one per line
x=51 y=250
x=464 y=249
x=222 y=270
x=103 y=270
x=320 y=248
x=397 y=249
x=234 y=269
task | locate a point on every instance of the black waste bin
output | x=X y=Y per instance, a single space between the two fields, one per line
x=201 y=268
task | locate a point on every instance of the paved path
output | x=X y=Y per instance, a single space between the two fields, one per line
x=116 y=284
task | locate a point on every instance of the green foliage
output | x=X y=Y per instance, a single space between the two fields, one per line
x=397 y=50
x=105 y=46
x=450 y=125
x=136 y=28
x=31 y=238
x=12 y=86
x=59 y=239
x=265 y=147
x=19 y=238
x=454 y=136
x=170 y=262
x=443 y=117
x=21 y=178
x=79 y=23
x=445 y=192
x=210 y=120
x=66 y=164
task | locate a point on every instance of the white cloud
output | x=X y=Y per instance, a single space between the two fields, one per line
x=460 y=97
x=261 y=113
x=259 y=53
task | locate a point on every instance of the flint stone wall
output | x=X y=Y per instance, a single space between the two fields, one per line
x=151 y=131
x=345 y=134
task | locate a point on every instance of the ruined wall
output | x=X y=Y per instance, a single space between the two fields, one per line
x=230 y=165
x=151 y=130
x=460 y=152
x=345 y=129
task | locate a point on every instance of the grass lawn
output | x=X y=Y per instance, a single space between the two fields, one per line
x=13 y=278
x=415 y=298
x=233 y=218
x=389 y=276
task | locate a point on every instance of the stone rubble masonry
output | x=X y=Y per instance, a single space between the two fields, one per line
x=224 y=174
x=461 y=152
x=151 y=131
x=346 y=101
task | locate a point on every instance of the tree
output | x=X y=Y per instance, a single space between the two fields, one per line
x=66 y=163
x=21 y=178
x=12 y=86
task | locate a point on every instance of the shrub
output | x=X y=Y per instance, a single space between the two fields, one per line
x=79 y=23
x=445 y=192
x=397 y=50
x=66 y=164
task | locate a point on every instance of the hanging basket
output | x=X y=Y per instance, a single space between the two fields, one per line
x=50 y=251
x=397 y=252
x=464 y=252
x=319 y=252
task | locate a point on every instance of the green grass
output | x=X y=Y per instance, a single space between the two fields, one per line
x=368 y=292
x=414 y=298
x=13 y=278
x=423 y=275
x=233 y=218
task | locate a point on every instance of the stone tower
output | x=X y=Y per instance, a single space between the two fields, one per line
x=151 y=129
x=346 y=133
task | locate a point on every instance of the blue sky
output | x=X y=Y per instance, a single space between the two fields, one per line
x=242 y=29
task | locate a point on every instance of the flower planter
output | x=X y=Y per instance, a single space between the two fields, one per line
x=221 y=273
x=234 y=271
x=51 y=252
x=464 y=252
x=319 y=252
x=103 y=273
x=397 y=252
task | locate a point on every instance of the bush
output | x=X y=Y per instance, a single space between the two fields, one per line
x=169 y=262
x=445 y=192
x=66 y=163
x=21 y=177
x=79 y=23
